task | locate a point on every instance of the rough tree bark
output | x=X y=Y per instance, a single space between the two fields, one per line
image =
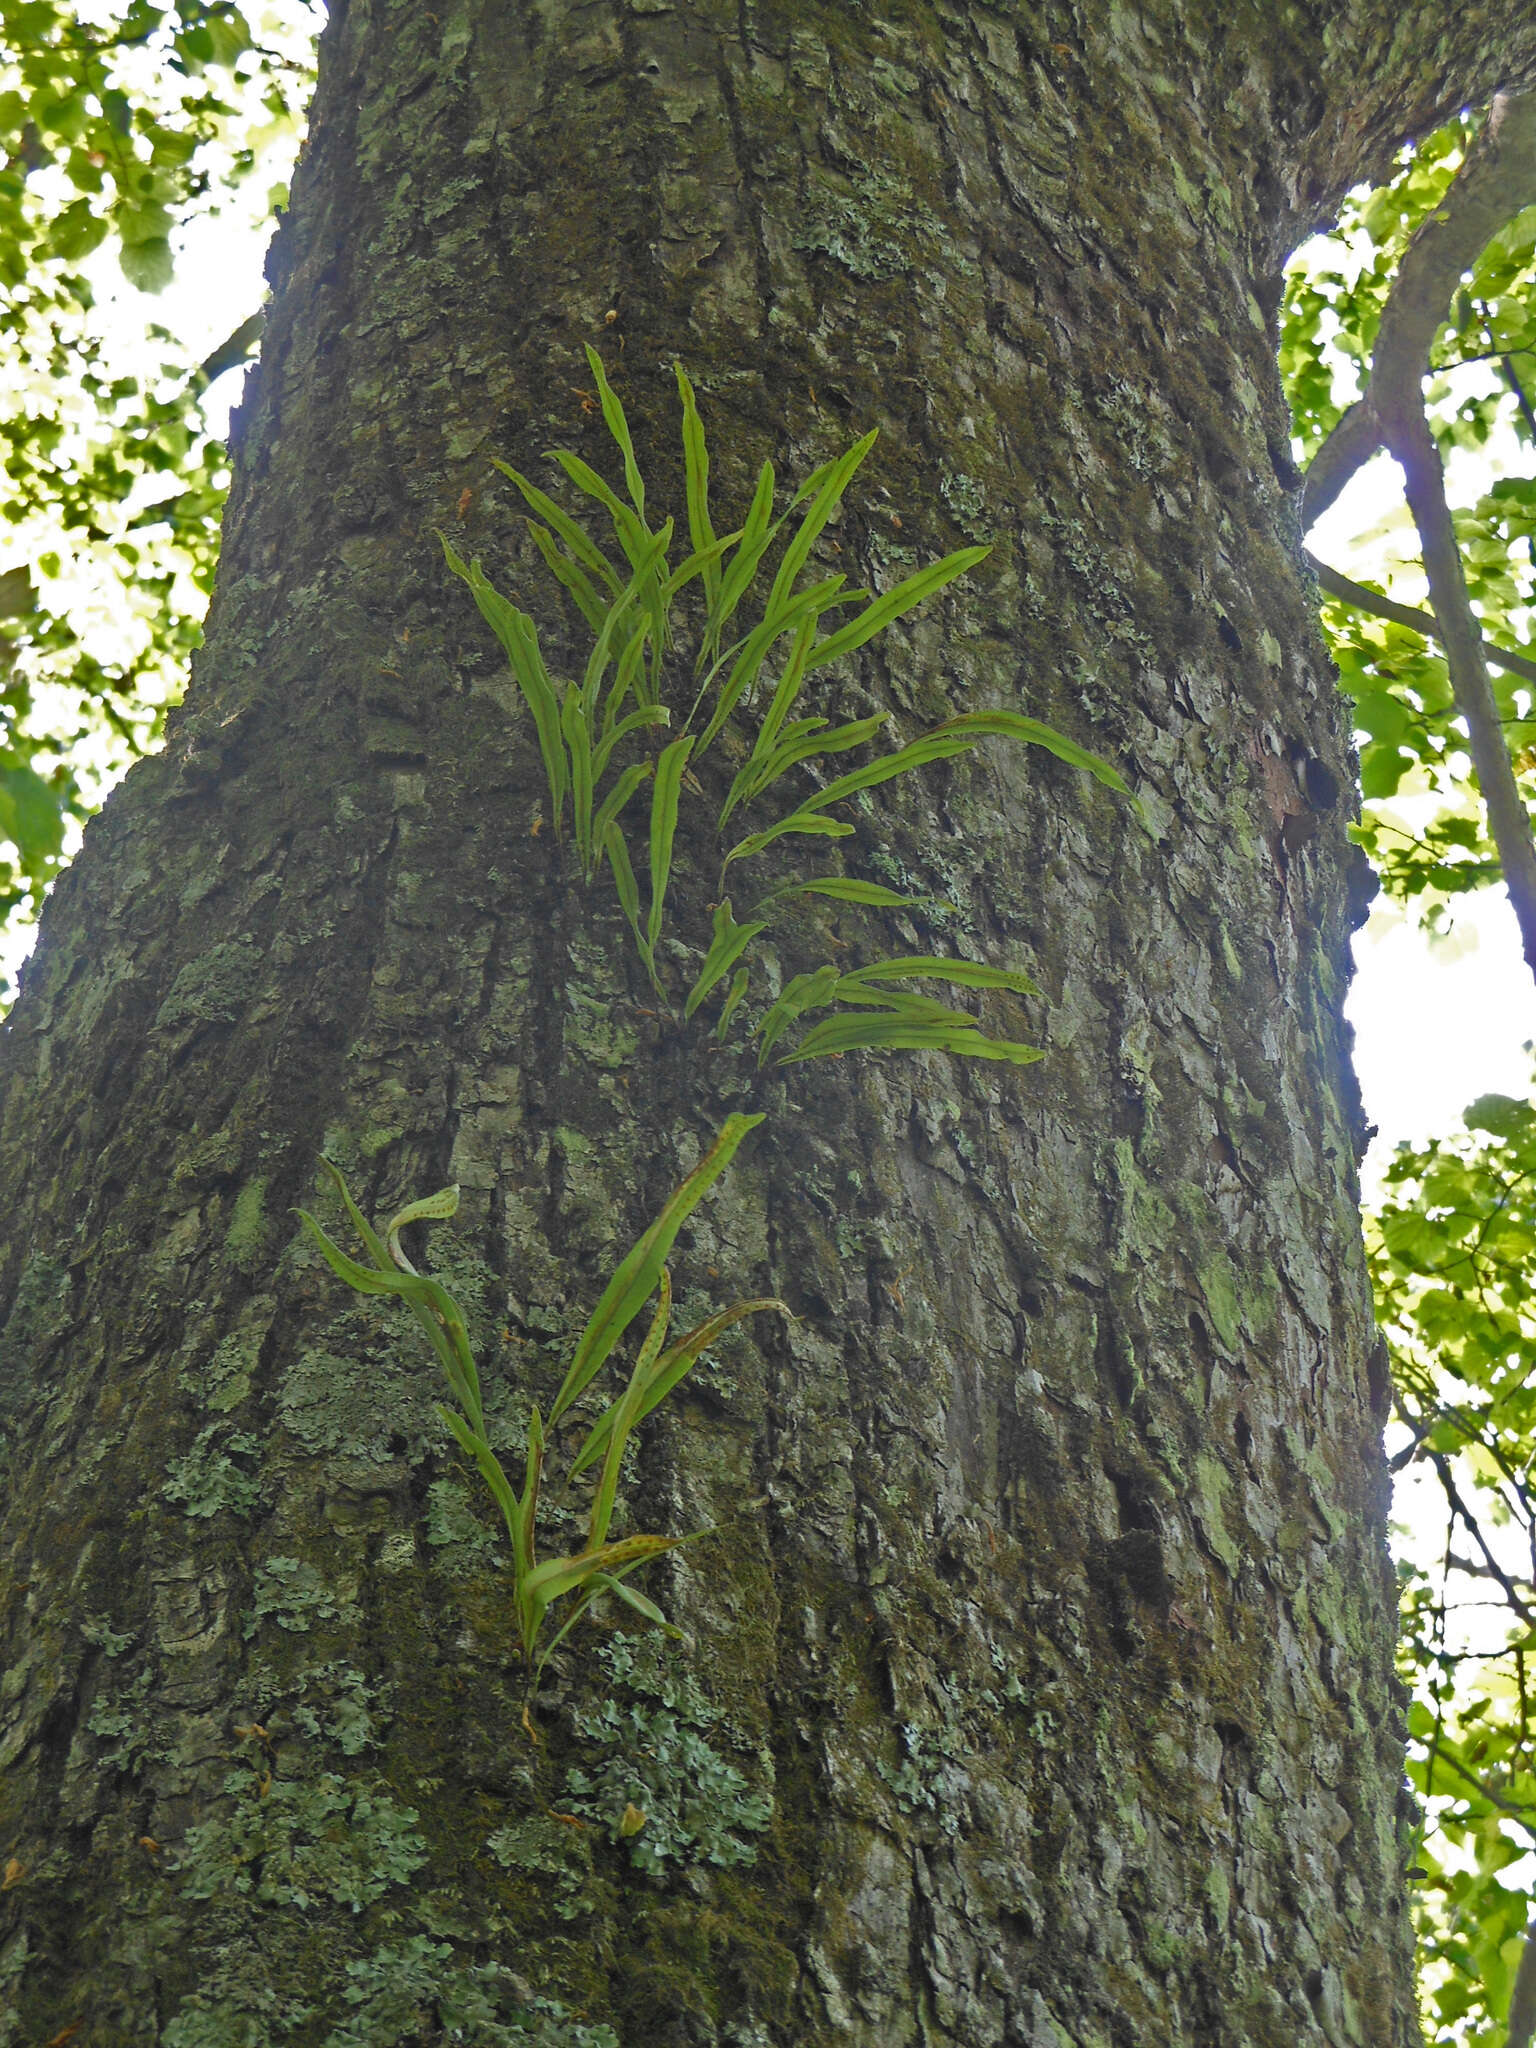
x=1062 y=1648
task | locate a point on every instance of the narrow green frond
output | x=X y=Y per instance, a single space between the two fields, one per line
x=805 y=992
x=811 y=822
x=891 y=1034
x=911 y=591
x=1012 y=725
x=632 y=1284
x=665 y=799
x=729 y=941
x=575 y=579
x=576 y=538
x=937 y=967
x=732 y=1003
x=618 y=427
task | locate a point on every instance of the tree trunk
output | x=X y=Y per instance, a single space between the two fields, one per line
x=1048 y=1698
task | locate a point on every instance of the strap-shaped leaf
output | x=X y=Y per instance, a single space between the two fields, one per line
x=618 y=426
x=665 y=798
x=898 y=1034
x=427 y=1209
x=918 y=753
x=573 y=727
x=936 y=967
x=589 y=603
x=378 y=1251
x=636 y=1278
x=697 y=564
x=637 y=590
x=576 y=538
x=1012 y=725
x=647 y=715
x=759 y=775
x=559 y=1575
x=670 y=1367
x=613 y=803
x=732 y=1003
x=623 y=1414
x=804 y=821
x=366 y=1279
x=782 y=703
x=846 y=889
x=737 y=579
x=430 y=1302
x=701 y=532
x=525 y=1520
x=837 y=478
x=909 y=592
x=632 y=533
x=757 y=646
x=729 y=942
x=629 y=893
x=520 y=642
x=805 y=992
x=472 y=1442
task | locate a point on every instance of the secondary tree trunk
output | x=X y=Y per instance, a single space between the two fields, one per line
x=1048 y=1699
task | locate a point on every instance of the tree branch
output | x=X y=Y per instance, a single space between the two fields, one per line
x=1497 y=178
x=1496 y=1571
x=1404 y=615
x=1349 y=447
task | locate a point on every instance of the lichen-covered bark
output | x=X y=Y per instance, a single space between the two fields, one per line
x=1047 y=1700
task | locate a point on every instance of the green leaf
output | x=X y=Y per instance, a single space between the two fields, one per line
x=520 y=642
x=729 y=942
x=548 y=1581
x=632 y=533
x=647 y=715
x=669 y=1368
x=573 y=728
x=572 y=576
x=892 y=1034
x=664 y=806
x=624 y=1413
x=696 y=461
x=936 y=967
x=837 y=477
x=1010 y=725
x=754 y=650
x=808 y=822
x=805 y=992
x=609 y=809
x=732 y=1002
x=756 y=533
x=637 y=590
x=760 y=775
x=618 y=427
x=629 y=893
x=911 y=591
x=848 y=890
x=582 y=546
x=427 y=1209
x=632 y=1285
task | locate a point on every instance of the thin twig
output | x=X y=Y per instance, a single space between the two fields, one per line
x=1497 y=178
x=1512 y=1594
x=1368 y=600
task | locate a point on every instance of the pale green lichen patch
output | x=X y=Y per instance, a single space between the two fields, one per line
x=246 y=1238
x=655 y=1756
x=292 y=1594
x=216 y=1475
x=300 y=1842
x=214 y=988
